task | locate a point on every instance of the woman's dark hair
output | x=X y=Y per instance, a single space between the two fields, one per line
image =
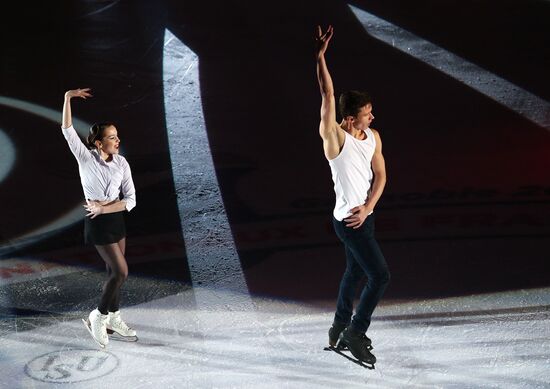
x=96 y=133
x=351 y=102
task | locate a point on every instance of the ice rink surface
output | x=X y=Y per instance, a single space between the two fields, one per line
x=482 y=341
x=229 y=331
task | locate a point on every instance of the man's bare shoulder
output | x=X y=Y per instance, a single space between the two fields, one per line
x=330 y=128
x=376 y=133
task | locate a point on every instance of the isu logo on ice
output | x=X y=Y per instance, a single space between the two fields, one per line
x=68 y=366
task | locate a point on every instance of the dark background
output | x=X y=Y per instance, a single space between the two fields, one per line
x=466 y=207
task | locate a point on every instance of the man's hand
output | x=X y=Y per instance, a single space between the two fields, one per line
x=93 y=208
x=323 y=39
x=82 y=93
x=360 y=213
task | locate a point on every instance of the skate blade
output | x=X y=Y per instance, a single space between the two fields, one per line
x=121 y=338
x=88 y=327
x=369 y=366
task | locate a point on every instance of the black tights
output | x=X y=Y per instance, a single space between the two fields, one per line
x=117 y=269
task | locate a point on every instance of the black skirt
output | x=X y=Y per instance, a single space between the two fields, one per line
x=104 y=229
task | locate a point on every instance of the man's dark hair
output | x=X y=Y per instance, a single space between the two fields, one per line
x=351 y=102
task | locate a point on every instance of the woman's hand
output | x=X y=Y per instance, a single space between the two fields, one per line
x=82 y=93
x=93 y=208
x=67 y=120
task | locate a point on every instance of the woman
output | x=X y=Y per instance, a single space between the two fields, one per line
x=104 y=174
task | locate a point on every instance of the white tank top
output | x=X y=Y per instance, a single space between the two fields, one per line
x=352 y=173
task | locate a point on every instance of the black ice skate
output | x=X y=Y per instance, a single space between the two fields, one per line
x=334 y=333
x=359 y=345
x=343 y=352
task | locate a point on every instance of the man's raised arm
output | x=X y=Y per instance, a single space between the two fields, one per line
x=328 y=106
x=328 y=128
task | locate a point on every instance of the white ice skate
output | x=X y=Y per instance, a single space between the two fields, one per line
x=116 y=326
x=96 y=326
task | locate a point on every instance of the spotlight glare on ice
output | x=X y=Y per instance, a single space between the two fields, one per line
x=214 y=263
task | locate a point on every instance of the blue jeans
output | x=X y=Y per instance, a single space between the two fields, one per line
x=363 y=257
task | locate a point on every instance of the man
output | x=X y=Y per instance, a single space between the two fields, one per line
x=354 y=153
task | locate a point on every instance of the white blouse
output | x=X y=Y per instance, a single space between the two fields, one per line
x=101 y=180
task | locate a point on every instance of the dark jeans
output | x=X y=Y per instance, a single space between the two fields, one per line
x=363 y=257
